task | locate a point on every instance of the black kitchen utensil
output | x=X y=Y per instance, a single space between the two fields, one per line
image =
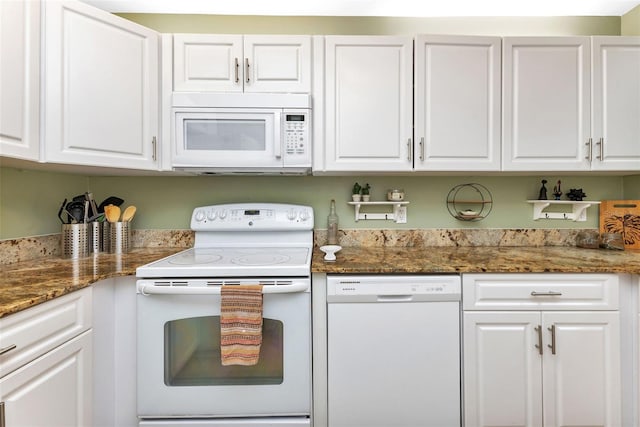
x=111 y=200
x=62 y=207
x=76 y=211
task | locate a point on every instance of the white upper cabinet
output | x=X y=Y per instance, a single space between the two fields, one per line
x=571 y=103
x=546 y=103
x=457 y=103
x=100 y=88
x=20 y=79
x=616 y=103
x=236 y=63
x=368 y=89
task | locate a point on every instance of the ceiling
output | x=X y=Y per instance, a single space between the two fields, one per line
x=398 y=8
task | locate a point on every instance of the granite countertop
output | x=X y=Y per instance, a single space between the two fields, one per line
x=28 y=283
x=478 y=259
x=25 y=284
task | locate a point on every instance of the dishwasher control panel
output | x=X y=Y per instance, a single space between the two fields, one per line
x=383 y=288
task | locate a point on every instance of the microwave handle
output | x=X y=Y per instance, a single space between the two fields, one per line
x=278 y=128
x=149 y=289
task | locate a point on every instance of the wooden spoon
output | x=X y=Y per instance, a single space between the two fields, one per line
x=128 y=214
x=112 y=213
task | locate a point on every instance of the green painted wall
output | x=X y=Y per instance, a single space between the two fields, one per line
x=500 y=26
x=29 y=200
x=630 y=23
x=632 y=187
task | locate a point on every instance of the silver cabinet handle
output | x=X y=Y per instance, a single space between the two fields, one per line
x=422 y=149
x=552 y=346
x=538 y=329
x=409 y=149
x=2 y=421
x=237 y=71
x=546 y=294
x=601 y=149
x=7 y=349
x=246 y=69
x=589 y=145
x=154 y=154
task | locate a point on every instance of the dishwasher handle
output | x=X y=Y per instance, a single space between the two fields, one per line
x=394 y=298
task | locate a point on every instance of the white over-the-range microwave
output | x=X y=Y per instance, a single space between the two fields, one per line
x=241 y=133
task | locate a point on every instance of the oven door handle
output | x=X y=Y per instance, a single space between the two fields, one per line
x=149 y=289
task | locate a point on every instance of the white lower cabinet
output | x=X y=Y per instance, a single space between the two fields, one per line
x=53 y=390
x=46 y=364
x=544 y=358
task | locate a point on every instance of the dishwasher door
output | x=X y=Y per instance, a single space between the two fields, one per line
x=393 y=351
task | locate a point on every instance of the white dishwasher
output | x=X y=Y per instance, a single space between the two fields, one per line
x=393 y=350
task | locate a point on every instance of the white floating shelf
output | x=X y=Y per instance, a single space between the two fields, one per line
x=399 y=214
x=578 y=209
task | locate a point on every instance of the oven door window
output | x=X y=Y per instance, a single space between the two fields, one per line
x=192 y=355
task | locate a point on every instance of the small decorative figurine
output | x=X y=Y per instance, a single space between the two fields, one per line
x=543 y=191
x=557 y=192
x=576 y=194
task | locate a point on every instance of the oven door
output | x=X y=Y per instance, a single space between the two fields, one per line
x=235 y=137
x=179 y=368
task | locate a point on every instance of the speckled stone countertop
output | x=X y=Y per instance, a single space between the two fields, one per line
x=28 y=283
x=25 y=284
x=478 y=259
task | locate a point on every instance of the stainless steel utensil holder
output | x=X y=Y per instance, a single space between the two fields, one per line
x=96 y=233
x=119 y=237
x=75 y=240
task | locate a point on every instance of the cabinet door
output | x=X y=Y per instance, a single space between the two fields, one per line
x=20 y=79
x=368 y=103
x=53 y=390
x=101 y=88
x=616 y=103
x=457 y=103
x=502 y=369
x=207 y=63
x=546 y=103
x=277 y=64
x=582 y=384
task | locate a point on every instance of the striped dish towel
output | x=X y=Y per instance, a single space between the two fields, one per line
x=240 y=324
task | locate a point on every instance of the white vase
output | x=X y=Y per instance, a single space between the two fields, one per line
x=355 y=197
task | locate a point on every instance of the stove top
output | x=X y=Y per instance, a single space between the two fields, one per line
x=225 y=262
x=243 y=239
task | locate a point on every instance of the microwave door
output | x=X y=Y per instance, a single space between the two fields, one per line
x=237 y=139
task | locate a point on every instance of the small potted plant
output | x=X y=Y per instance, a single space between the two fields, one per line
x=355 y=192
x=365 y=192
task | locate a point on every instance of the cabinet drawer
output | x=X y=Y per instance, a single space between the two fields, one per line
x=28 y=334
x=540 y=291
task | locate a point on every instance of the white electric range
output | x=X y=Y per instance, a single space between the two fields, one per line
x=180 y=377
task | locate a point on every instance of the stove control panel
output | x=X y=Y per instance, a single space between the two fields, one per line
x=247 y=216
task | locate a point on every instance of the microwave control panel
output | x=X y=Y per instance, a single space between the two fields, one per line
x=297 y=131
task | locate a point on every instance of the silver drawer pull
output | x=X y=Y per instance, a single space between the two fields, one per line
x=7 y=349
x=546 y=294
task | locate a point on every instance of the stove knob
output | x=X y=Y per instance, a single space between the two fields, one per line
x=222 y=214
x=304 y=215
x=199 y=216
x=291 y=214
x=211 y=215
